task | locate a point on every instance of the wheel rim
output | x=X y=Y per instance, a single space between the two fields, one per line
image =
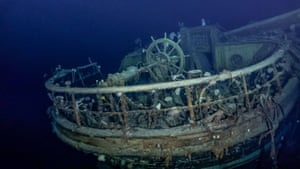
x=166 y=55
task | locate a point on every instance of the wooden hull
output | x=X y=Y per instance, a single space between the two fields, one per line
x=141 y=146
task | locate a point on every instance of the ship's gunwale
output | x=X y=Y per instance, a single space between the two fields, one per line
x=50 y=85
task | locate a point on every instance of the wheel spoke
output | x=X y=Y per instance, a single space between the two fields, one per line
x=169 y=53
x=175 y=66
x=165 y=47
x=167 y=58
x=174 y=58
x=157 y=48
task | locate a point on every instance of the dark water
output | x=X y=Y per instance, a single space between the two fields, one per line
x=37 y=35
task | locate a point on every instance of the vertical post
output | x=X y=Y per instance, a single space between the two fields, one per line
x=100 y=102
x=111 y=102
x=54 y=102
x=76 y=111
x=275 y=72
x=246 y=92
x=198 y=93
x=149 y=119
x=124 y=111
x=190 y=104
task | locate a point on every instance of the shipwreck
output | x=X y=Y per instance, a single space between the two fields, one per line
x=202 y=97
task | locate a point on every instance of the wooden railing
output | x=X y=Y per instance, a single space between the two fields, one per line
x=168 y=104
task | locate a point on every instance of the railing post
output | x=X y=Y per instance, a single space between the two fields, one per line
x=54 y=103
x=111 y=102
x=246 y=92
x=100 y=103
x=190 y=104
x=275 y=73
x=76 y=111
x=124 y=112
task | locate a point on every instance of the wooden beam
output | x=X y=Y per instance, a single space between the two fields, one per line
x=50 y=84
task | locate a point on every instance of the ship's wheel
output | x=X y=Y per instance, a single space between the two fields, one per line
x=165 y=58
